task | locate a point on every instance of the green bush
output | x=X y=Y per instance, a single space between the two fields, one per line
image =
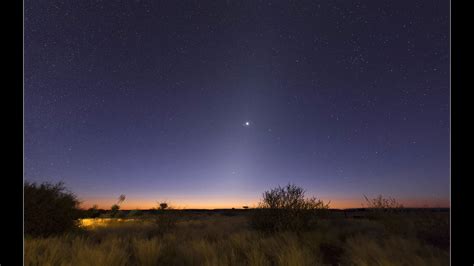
x=49 y=209
x=286 y=208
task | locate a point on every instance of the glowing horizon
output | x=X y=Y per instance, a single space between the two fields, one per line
x=206 y=204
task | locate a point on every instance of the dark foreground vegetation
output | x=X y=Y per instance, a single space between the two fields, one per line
x=287 y=228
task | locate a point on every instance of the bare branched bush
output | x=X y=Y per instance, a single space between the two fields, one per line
x=387 y=211
x=287 y=208
x=381 y=203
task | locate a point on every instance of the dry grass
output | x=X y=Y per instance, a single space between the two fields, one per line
x=147 y=252
x=50 y=251
x=362 y=250
x=75 y=250
x=110 y=252
x=93 y=223
x=221 y=240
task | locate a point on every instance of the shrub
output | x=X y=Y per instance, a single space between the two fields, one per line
x=383 y=208
x=383 y=204
x=49 y=209
x=163 y=205
x=93 y=212
x=286 y=208
x=115 y=209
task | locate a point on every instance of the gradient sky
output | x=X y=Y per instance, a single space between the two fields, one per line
x=150 y=99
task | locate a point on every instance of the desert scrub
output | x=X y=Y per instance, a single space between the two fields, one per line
x=223 y=240
x=49 y=209
x=287 y=208
x=382 y=207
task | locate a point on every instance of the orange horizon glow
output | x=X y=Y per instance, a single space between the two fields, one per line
x=238 y=204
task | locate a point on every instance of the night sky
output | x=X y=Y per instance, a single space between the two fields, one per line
x=209 y=103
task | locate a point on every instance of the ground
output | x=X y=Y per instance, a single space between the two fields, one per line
x=227 y=238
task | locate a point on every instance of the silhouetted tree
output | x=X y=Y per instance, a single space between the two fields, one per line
x=121 y=199
x=115 y=209
x=49 y=209
x=286 y=208
x=163 y=205
x=93 y=212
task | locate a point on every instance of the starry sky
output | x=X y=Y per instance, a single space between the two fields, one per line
x=206 y=104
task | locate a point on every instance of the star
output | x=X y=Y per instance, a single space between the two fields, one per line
x=246 y=124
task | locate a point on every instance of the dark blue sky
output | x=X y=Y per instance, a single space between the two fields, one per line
x=150 y=99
